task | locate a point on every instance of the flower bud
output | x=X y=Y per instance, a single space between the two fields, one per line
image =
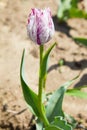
x=40 y=26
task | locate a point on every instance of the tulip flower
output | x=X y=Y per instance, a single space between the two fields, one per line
x=47 y=108
x=40 y=27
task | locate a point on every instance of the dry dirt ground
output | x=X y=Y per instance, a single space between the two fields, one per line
x=14 y=114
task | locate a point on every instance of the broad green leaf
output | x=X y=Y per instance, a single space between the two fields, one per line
x=71 y=120
x=77 y=13
x=81 y=41
x=43 y=70
x=63 y=8
x=39 y=125
x=30 y=97
x=69 y=9
x=54 y=104
x=61 y=123
x=74 y=3
x=77 y=93
x=45 y=59
x=52 y=128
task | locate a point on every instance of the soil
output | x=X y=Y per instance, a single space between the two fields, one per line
x=14 y=114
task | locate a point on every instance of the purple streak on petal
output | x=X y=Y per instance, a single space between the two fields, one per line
x=38 y=38
x=38 y=28
x=33 y=11
x=28 y=20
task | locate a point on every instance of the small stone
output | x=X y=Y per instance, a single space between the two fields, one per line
x=80 y=116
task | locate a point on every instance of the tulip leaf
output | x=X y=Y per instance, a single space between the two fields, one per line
x=81 y=41
x=63 y=8
x=39 y=125
x=71 y=120
x=77 y=93
x=77 y=13
x=30 y=97
x=74 y=3
x=52 y=128
x=69 y=9
x=54 y=104
x=61 y=123
x=43 y=70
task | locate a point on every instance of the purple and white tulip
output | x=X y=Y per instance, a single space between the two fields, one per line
x=40 y=26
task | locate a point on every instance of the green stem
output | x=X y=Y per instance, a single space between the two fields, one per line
x=41 y=54
x=40 y=90
x=40 y=79
x=41 y=57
